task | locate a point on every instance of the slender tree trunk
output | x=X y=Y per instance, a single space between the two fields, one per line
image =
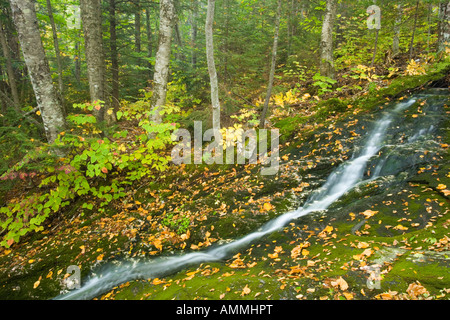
x=137 y=27
x=411 y=45
x=10 y=70
x=91 y=17
x=161 y=76
x=149 y=43
x=194 y=32
x=444 y=26
x=24 y=15
x=326 y=44
x=211 y=65
x=114 y=56
x=396 y=40
x=78 y=62
x=377 y=33
x=57 y=50
x=272 y=68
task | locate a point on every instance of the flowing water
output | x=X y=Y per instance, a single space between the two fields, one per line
x=340 y=181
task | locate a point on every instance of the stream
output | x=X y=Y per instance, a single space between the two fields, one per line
x=343 y=179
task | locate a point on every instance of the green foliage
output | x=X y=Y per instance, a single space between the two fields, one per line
x=325 y=84
x=94 y=168
x=179 y=224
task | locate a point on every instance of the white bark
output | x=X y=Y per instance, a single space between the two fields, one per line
x=211 y=65
x=161 y=74
x=326 y=44
x=24 y=15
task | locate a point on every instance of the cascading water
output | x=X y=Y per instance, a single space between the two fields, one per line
x=341 y=180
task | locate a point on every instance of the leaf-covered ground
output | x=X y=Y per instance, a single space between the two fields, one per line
x=398 y=222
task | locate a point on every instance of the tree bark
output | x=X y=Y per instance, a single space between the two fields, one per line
x=272 y=68
x=137 y=27
x=396 y=40
x=9 y=69
x=161 y=75
x=411 y=45
x=149 y=43
x=91 y=17
x=194 y=32
x=444 y=26
x=57 y=51
x=211 y=65
x=326 y=44
x=115 y=91
x=24 y=15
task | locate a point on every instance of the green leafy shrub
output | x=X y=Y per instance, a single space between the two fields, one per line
x=94 y=167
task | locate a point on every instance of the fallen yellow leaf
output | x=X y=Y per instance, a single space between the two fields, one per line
x=245 y=291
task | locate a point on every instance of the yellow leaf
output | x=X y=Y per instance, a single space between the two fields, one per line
x=341 y=283
x=441 y=187
x=400 y=227
x=49 y=275
x=369 y=213
x=31 y=261
x=348 y=296
x=363 y=245
x=36 y=284
x=100 y=257
x=38 y=113
x=273 y=256
x=267 y=206
x=305 y=252
x=245 y=291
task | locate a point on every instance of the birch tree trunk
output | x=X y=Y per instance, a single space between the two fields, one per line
x=444 y=26
x=10 y=70
x=57 y=51
x=326 y=43
x=272 y=68
x=24 y=15
x=398 y=21
x=161 y=75
x=211 y=65
x=91 y=17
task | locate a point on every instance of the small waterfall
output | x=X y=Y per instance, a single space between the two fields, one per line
x=340 y=181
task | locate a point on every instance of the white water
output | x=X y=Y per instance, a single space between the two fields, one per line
x=342 y=180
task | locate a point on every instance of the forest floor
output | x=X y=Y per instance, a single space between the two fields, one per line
x=398 y=223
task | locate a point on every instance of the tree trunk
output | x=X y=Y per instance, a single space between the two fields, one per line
x=77 y=62
x=10 y=69
x=57 y=51
x=377 y=33
x=114 y=56
x=411 y=45
x=396 y=40
x=194 y=32
x=326 y=44
x=137 y=27
x=91 y=17
x=149 y=43
x=272 y=68
x=444 y=26
x=161 y=76
x=24 y=15
x=211 y=65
